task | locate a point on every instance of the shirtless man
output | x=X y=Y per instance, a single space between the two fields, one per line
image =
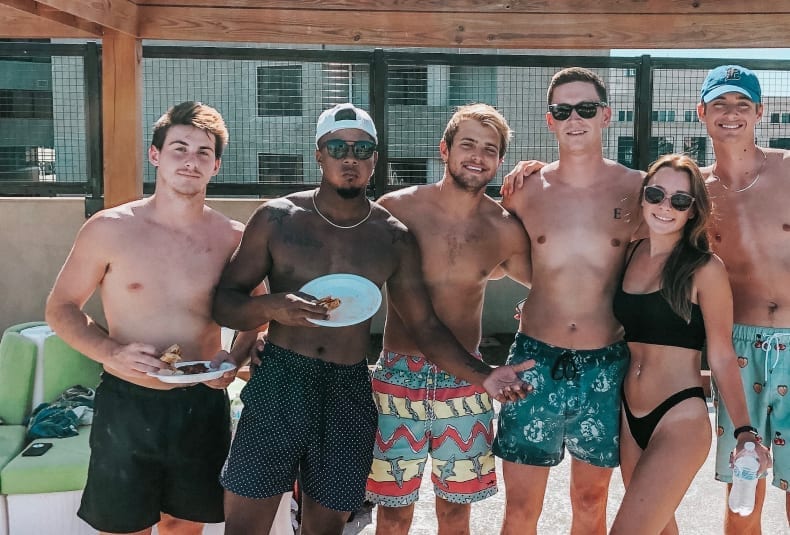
x=157 y=448
x=309 y=409
x=580 y=213
x=750 y=187
x=465 y=237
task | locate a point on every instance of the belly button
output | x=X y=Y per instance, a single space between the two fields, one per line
x=572 y=326
x=541 y=239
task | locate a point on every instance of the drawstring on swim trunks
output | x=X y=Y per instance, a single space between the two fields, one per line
x=772 y=342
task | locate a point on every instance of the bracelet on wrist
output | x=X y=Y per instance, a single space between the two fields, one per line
x=744 y=429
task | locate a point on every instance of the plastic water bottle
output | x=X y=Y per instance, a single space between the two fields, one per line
x=236 y=407
x=744 y=481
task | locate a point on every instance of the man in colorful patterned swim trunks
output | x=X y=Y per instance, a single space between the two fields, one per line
x=310 y=404
x=580 y=213
x=465 y=238
x=748 y=184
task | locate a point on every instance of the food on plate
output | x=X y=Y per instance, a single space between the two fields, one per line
x=329 y=302
x=170 y=356
x=191 y=369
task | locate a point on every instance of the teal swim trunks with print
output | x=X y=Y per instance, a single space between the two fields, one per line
x=575 y=404
x=764 y=363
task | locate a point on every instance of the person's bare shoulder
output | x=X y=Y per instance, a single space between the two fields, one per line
x=394 y=199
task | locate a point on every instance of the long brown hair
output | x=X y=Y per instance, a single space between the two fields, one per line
x=692 y=250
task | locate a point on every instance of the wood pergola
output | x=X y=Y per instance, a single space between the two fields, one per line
x=521 y=24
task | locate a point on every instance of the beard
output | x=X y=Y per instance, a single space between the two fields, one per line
x=466 y=183
x=349 y=192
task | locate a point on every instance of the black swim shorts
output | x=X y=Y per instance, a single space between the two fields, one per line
x=306 y=418
x=155 y=451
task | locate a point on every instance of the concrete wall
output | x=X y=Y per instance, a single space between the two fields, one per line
x=36 y=236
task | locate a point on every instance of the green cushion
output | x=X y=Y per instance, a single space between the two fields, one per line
x=17 y=372
x=64 y=467
x=12 y=440
x=22 y=326
x=65 y=367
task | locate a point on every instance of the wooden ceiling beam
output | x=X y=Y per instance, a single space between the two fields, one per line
x=708 y=7
x=18 y=23
x=485 y=30
x=119 y=15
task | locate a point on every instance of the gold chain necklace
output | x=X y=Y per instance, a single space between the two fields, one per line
x=752 y=183
x=343 y=227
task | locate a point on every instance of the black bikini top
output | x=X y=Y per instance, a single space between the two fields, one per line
x=648 y=318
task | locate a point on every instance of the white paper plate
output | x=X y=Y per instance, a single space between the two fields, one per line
x=359 y=298
x=193 y=377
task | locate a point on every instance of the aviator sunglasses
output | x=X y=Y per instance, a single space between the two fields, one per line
x=586 y=110
x=338 y=148
x=679 y=201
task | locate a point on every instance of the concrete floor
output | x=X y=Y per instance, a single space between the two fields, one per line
x=700 y=513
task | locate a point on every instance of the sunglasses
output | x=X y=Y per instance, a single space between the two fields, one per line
x=586 y=110
x=679 y=201
x=338 y=148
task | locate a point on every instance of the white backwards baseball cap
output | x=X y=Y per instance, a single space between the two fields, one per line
x=344 y=116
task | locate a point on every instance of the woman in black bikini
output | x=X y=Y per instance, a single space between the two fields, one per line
x=673 y=299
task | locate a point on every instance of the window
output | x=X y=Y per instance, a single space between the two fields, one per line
x=695 y=147
x=280 y=91
x=774 y=117
x=690 y=116
x=625 y=150
x=472 y=84
x=405 y=171
x=660 y=146
x=279 y=168
x=625 y=115
x=630 y=73
x=25 y=104
x=337 y=84
x=785 y=118
x=663 y=116
x=779 y=143
x=22 y=163
x=408 y=85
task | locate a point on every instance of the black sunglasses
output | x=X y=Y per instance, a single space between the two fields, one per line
x=679 y=201
x=564 y=367
x=338 y=148
x=586 y=110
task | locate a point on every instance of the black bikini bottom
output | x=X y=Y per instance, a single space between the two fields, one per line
x=642 y=428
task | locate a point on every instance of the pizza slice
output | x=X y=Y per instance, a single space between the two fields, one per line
x=329 y=302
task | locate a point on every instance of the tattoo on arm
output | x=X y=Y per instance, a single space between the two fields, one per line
x=277 y=215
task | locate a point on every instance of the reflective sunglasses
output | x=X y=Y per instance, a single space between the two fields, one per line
x=586 y=110
x=338 y=148
x=679 y=201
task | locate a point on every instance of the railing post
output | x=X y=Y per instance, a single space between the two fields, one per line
x=378 y=105
x=643 y=113
x=94 y=198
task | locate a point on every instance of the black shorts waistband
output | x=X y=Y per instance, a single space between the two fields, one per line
x=292 y=358
x=117 y=385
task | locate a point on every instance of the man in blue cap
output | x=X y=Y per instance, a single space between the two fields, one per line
x=749 y=185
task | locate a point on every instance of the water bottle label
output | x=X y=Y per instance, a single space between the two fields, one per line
x=744 y=473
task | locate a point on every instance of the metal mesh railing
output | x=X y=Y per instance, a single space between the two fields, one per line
x=271 y=98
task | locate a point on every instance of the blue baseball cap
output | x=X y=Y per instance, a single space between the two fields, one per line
x=731 y=78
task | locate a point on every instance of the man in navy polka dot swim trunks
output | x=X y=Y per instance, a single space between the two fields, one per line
x=308 y=408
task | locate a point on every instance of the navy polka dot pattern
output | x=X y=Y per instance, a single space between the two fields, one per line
x=308 y=418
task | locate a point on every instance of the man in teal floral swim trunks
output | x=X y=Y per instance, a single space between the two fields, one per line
x=580 y=213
